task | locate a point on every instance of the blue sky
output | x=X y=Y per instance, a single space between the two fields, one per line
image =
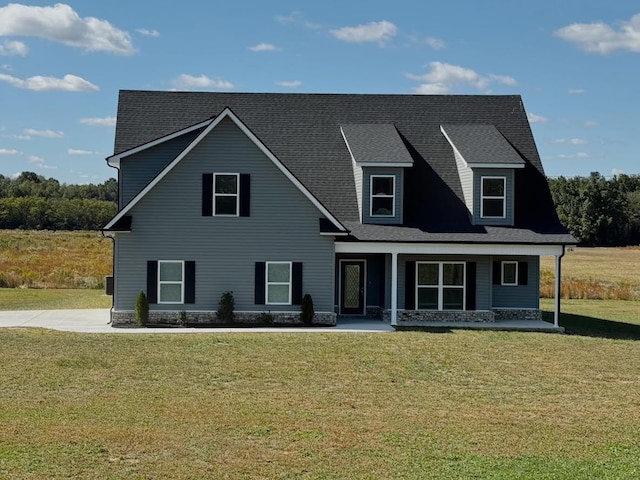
x=576 y=64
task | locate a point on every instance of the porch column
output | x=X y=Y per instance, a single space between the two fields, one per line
x=558 y=292
x=394 y=288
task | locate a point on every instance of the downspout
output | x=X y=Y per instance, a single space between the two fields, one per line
x=113 y=268
x=556 y=313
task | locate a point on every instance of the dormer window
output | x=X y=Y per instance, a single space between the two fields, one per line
x=383 y=188
x=493 y=197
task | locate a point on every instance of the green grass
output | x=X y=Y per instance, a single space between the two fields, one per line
x=462 y=404
x=47 y=299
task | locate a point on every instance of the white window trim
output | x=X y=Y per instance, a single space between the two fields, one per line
x=237 y=195
x=502 y=281
x=267 y=283
x=171 y=282
x=440 y=286
x=372 y=196
x=493 y=197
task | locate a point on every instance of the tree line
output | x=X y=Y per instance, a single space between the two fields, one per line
x=598 y=211
x=31 y=201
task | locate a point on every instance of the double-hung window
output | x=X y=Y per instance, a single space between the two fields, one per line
x=440 y=285
x=509 y=273
x=493 y=197
x=170 y=281
x=226 y=199
x=382 y=201
x=278 y=283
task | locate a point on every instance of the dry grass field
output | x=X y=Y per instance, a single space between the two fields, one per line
x=46 y=259
x=595 y=273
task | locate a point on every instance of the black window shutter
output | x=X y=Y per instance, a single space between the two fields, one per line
x=190 y=282
x=497 y=272
x=410 y=286
x=152 y=281
x=260 y=283
x=207 y=194
x=523 y=273
x=245 y=194
x=471 y=286
x=296 y=286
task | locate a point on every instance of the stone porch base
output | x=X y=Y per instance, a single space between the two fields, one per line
x=415 y=318
x=125 y=318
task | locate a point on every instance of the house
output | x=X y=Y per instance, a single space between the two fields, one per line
x=410 y=208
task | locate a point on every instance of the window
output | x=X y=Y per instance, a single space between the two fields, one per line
x=509 y=273
x=493 y=197
x=225 y=194
x=170 y=282
x=278 y=283
x=440 y=286
x=383 y=195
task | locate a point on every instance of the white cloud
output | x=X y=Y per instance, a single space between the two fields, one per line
x=35 y=159
x=69 y=83
x=380 y=32
x=533 y=118
x=185 y=81
x=148 y=33
x=434 y=43
x=602 y=38
x=576 y=91
x=263 y=47
x=590 y=124
x=99 y=122
x=30 y=132
x=9 y=151
x=297 y=18
x=40 y=163
x=616 y=171
x=443 y=77
x=570 y=141
x=10 y=48
x=62 y=24
x=574 y=156
x=289 y=84
x=75 y=151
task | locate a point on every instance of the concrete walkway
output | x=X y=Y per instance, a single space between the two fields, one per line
x=97 y=321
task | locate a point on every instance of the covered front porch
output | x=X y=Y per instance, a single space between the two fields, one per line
x=374 y=281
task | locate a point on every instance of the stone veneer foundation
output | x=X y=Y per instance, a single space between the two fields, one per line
x=417 y=317
x=171 y=318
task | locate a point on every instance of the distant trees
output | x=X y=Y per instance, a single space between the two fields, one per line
x=599 y=211
x=31 y=201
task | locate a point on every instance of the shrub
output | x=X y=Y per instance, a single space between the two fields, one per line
x=266 y=318
x=141 y=311
x=182 y=318
x=226 y=306
x=307 y=313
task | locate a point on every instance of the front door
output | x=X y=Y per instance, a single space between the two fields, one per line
x=352 y=287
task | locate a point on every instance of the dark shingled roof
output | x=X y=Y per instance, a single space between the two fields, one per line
x=482 y=144
x=376 y=144
x=303 y=131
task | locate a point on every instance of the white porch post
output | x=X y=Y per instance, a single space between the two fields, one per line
x=394 y=288
x=558 y=292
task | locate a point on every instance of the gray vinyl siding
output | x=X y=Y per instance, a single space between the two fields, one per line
x=466 y=180
x=398 y=173
x=477 y=195
x=168 y=225
x=521 y=296
x=483 y=275
x=137 y=170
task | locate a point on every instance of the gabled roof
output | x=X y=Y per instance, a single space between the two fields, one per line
x=302 y=131
x=482 y=146
x=376 y=145
x=226 y=113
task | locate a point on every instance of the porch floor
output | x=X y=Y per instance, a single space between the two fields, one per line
x=374 y=324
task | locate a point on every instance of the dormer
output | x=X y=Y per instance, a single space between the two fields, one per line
x=486 y=164
x=378 y=157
